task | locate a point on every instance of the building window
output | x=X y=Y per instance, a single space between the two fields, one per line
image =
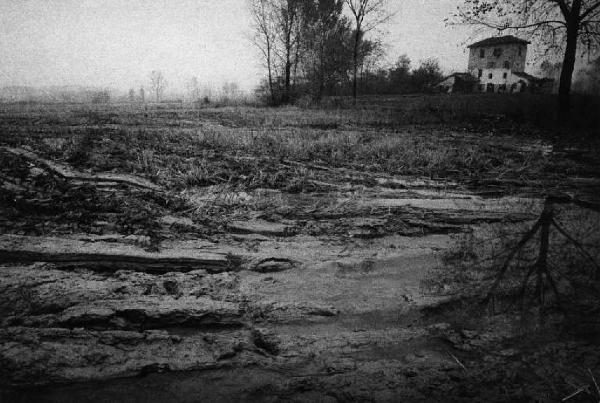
x=482 y=53
x=490 y=76
x=498 y=52
x=480 y=73
x=504 y=75
x=491 y=65
x=506 y=65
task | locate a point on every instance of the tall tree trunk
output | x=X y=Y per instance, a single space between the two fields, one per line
x=288 y=74
x=270 y=71
x=363 y=78
x=289 y=29
x=321 y=78
x=566 y=74
x=296 y=58
x=355 y=63
x=573 y=20
x=288 y=61
x=321 y=68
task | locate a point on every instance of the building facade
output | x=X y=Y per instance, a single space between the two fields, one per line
x=505 y=52
x=497 y=64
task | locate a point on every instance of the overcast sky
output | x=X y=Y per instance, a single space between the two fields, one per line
x=116 y=43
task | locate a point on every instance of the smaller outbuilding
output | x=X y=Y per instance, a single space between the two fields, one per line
x=535 y=84
x=458 y=82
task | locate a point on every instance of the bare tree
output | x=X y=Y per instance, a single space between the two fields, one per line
x=207 y=92
x=371 y=53
x=540 y=269
x=158 y=83
x=305 y=42
x=325 y=32
x=289 y=37
x=264 y=26
x=277 y=35
x=368 y=15
x=230 y=90
x=559 y=24
x=194 y=89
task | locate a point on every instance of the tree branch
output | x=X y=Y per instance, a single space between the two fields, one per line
x=578 y=245
x=511 y=255
x=564 y=8
x=502 y=27
x=590 y=10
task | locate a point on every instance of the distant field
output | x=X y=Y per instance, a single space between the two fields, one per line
x=538 y=109
x=440 y=136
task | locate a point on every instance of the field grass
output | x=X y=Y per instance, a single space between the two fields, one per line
x=444 y=137
x=242 y=148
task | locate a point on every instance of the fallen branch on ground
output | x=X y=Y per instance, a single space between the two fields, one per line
x=65 y=172
x=211 y=262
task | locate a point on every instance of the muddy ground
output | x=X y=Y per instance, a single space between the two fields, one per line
x=136 y=267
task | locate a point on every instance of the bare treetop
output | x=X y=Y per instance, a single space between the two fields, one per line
x=547 y=19
x=370 y=13
x=158 y=83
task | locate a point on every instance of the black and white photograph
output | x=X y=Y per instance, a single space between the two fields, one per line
x=299 y=201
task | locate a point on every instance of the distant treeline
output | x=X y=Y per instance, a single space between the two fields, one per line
x=401 y=78
x=319 y=47
x=58 y=94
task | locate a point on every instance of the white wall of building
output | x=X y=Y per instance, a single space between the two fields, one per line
x=514 y=54
x=499 y=77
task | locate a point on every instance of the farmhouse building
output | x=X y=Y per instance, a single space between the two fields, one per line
x=498 y=65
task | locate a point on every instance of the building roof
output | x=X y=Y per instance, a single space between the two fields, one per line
x=499 y=40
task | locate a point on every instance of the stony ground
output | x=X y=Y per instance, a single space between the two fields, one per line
x=213 y=270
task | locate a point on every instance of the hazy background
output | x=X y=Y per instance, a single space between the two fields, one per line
x=116 y=43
